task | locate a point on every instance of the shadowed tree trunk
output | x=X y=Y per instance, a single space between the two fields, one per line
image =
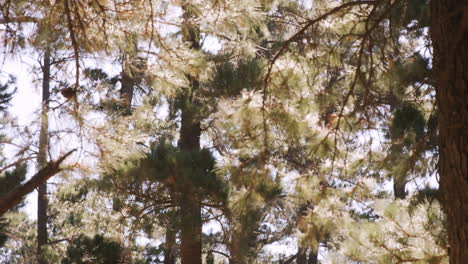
x=169 y=246
x=305 y=254
x=42 y=200
x=449 y=33
x=301 y=256
x=399 y=188
x=190 y=130
x=190 y=208
x=128 y=78
x=313 y=256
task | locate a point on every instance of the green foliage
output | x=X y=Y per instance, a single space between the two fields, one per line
x=5 y=94
x=230 y=78
x=8 y=181
x=415 y=70
x=166 y=163
x=13 y=178
x=412 y=14
x=407 y=120
x=153 y=255
x=97 y=249
x=96 y=74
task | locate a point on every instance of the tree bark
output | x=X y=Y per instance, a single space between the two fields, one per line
x=449 y=33
x=313 y=256
x=169 y=246
x=190 y=130
x=14 y=197
x=128 y=74
x=191 y=231
x=301 y=256
x=399 y=186
x=42 y=200
x=190 y=208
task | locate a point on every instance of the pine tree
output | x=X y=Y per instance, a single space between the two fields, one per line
x=291 y=107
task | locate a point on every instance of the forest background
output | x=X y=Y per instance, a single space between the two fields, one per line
x=235 y=131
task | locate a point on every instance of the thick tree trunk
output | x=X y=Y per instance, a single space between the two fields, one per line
x=449 y=33
x=191 y=231
x=190 y=208
x=42 y=200
x=190 y=130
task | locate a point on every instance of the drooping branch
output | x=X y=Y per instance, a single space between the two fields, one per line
x=12 y=198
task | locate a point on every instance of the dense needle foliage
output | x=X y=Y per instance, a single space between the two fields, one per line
x=273 y=131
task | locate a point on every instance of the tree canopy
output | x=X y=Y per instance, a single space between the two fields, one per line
x=244 y=131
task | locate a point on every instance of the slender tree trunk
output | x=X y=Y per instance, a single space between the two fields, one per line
x=169 y=246
x=449 y=33
x=313 y=256
x=128 y=78
x=126 y=90
x=42 y=201
x=190 y=130
x=399 y=186
x=301 y=255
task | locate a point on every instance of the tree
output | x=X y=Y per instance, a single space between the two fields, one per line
x=283 y=111
x=449 y=40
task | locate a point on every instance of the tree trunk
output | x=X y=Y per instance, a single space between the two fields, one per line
x=399 y=186
x=301 y=255
x=129 y=75
x=190 y=208
x=449 y=33
x=42 y=200
x=169 y=246
x=191 y=231
x=190 y=130
x=313 y=256
x=126 y=90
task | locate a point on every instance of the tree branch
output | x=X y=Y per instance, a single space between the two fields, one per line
x=20 y=19
x=15 y=196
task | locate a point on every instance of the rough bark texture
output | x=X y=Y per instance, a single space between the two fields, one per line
x=190 y=130
x=11 y=199
x=42 y=200
x=191 y=231
x=449 y=33
x=190 y=208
